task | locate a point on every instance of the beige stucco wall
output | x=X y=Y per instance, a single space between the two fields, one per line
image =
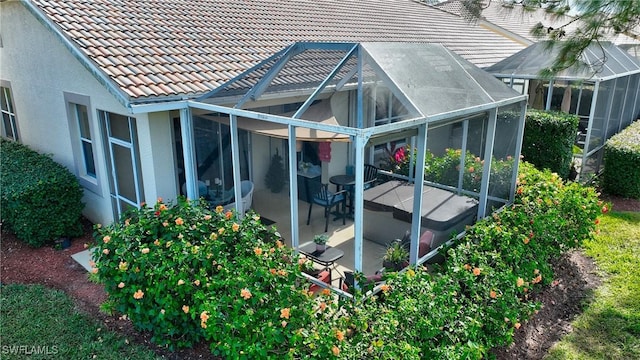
x=40 y=69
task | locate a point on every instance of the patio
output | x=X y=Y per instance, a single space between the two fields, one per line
x=276 y=207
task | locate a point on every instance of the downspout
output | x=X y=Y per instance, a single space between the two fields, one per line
x=78 y=54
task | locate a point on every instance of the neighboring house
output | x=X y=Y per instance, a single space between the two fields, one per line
x=509 y=19
x=73 y=71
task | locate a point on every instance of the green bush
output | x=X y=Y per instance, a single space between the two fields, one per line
x=482 y=292
x=187 y=274
x=41 y=199
x=621 y=174
x=548 y=140
x=445 y=169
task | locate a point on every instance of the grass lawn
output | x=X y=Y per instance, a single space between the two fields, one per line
x=41 y=323
x=609 y=328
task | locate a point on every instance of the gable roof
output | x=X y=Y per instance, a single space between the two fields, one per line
x=528 y=63
x=153 y=50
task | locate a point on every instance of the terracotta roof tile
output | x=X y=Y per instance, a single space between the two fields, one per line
x=158 y=47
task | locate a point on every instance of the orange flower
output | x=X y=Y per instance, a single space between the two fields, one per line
x=121 y=285
x=537 y=279
x=340 y=335
x=520 y=282
x=207 y=217
x=123 y=266
x=145 y=250
x=472 y=169
x=105 y=251
x=526 y=240
x=335 y=350
x=213 y=236
x=197 y=282
x=138 y=294
x=492 y=294
x=284 y=323
x=106 y=239
x=228 y=215
x=221 y=231
x=165 y=223
x=476 y=271
x=92 y=263
x=159 y=200
x=385 y=288
x=516 y=325
x=179 y=221
x=279 y=244
x=284 y=313
x=323 y=306
x=257 y=251
x=204 y=316
x=157 y=242
x=467 y=267
x=180 y=282
x=85 y=245
x=94 y=270
x=245 y=293
x=235 y=227
x=273 y=271
x=219 y=209
x=163 y=207
x=282 y=272
x=185 y=308
x=326 y=292
x=597 y=221
x=605 y=209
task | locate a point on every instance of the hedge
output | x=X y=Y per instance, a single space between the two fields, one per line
x=186 y=274
x=548 y=140
x=41 y=199
x=621 y=175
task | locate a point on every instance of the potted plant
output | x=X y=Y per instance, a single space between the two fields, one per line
x=396 y=257
x=321 y=242
x=275 y=175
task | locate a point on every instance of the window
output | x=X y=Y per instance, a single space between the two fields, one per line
x=9 y=128
x=82 y=117
x=82 y=135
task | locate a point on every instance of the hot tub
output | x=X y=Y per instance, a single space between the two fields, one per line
x=388 y=210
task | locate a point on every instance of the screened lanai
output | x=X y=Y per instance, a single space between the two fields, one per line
x=602 y=89
x=414 y=111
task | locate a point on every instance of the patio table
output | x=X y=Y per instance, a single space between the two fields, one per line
x=327 y=259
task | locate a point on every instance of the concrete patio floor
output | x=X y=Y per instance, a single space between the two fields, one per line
x=276 y=207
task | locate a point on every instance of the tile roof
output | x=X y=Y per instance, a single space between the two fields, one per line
x=513 y=18
x=156 y=48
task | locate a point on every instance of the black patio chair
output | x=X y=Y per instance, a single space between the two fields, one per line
x=328 y=200
x=370 y=176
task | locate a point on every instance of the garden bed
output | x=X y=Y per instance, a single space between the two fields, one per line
x=575 y=279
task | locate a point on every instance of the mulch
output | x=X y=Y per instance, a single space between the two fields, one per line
x=575 y=281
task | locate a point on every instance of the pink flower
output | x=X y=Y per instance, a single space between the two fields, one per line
x=399 y=155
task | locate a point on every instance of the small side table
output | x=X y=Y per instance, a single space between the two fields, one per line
x=326 y=259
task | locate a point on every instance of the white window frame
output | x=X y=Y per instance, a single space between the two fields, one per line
x=10 y=111
x=88 y=180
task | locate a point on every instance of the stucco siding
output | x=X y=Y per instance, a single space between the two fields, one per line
x=40 y=70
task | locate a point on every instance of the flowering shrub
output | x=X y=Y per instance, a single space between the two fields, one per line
x=481 y=294
x=186 y=274
x=445 y=169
